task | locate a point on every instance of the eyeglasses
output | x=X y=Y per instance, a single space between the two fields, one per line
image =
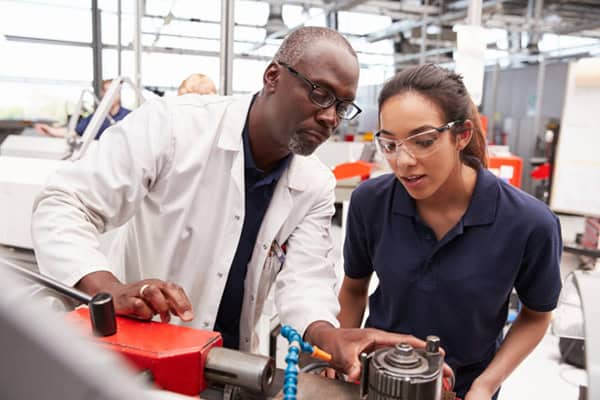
x=324 y=98
x=420 y=145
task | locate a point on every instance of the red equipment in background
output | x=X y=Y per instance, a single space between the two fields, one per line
x=508 y=167
x=353 y=169
x=175 y=355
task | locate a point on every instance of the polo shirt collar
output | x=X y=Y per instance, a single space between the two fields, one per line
x=482 y=208
x=484 y=203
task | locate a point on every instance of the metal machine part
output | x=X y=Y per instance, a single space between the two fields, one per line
x=102 y=309
x=250 y=371
x=403 y=373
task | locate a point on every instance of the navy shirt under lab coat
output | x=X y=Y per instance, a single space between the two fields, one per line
x=84 y=122
x=259 y=190
x=456 y=288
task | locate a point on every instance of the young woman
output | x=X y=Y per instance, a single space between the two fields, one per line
x=447 y=239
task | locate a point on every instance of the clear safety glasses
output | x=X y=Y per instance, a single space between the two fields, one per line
x=420 y=145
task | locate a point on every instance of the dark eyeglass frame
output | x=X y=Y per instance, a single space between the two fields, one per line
x=334 y=99
x=400 y=143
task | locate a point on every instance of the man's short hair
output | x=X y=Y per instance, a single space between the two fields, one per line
x=197 y=83
x=297 y=41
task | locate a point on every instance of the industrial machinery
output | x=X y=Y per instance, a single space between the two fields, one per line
x=192 y=362
x=27 y=161
x=177 y=358
x=577 y=319
x=403 y=373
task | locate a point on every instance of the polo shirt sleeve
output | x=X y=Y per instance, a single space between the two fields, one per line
x=538 y=282
x=82 y=124
x=357 y=258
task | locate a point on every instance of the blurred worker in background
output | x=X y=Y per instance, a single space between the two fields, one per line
x=447 y=239
x=197 y=83
x=116 y=113
x=222 y=199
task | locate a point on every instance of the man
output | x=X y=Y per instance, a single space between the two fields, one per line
x=116 y=113
x=197 y=83
x=222 y=198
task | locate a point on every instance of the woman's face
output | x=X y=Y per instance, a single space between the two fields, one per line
x=421 y=163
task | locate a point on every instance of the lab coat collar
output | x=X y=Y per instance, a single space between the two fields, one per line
x=296 y=177
x=233 y=123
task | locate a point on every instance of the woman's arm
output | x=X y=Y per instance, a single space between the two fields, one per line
x=524 y=335
x=353 y=301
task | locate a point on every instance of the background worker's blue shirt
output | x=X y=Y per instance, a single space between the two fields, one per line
x=259 y=188
x=84 y=122
x=456 y=288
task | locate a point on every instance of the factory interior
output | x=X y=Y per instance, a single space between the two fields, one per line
x=256 y=199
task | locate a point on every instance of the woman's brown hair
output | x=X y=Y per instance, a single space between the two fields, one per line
x=447 y=90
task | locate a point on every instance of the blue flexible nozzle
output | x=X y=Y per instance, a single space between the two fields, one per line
x=290 y=379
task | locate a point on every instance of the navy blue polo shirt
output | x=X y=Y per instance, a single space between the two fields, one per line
x=84 y=122
x=458 y=287
x=259 y=188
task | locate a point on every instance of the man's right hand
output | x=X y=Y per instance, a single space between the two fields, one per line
x=346 y=344
x=142 y=299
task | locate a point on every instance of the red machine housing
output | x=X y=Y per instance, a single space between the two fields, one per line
x=175 y=355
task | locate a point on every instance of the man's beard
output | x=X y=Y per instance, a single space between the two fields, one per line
x=300 y=145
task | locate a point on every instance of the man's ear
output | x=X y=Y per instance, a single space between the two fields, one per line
x=465 y=134
x=271 y=77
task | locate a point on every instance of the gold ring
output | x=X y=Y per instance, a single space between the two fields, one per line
x=141 y=292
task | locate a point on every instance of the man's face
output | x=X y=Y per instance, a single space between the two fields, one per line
x=304 y=124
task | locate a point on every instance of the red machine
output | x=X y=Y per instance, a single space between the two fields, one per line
x=175 y=355
x=181 y=359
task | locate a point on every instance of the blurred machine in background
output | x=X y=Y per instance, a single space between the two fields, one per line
x=577 y=319
x=26 y=161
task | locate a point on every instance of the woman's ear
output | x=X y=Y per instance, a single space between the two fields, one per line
x=464 y=134
x=271 y=77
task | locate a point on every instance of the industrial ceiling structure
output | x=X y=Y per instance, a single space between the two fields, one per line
x=423 y=30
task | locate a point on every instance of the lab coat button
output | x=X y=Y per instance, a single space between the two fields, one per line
x=206 y=324
x=237 y=217
x=220 y=274
x=264 y=246
x=251 y=298
x=247 y=340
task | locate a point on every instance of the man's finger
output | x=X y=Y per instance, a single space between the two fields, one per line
x=328 y=373
x=140 y=309
x=178 y=301
x=153 y=296
x=353 y=372
x=385 y=339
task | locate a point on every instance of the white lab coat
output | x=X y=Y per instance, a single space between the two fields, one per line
x=173 y=170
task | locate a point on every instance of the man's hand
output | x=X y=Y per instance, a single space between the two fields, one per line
x=142 y=299
x=346 y=345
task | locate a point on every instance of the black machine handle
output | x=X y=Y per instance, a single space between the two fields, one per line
x=101 y=306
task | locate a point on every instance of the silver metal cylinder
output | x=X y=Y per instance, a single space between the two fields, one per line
x=249 y=371
x=403 y=373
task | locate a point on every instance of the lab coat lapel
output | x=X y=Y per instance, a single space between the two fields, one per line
x=230 y=138
x=292 y=181
x=279 y=209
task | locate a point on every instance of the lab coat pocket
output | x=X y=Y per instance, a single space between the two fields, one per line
x=272 y=266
